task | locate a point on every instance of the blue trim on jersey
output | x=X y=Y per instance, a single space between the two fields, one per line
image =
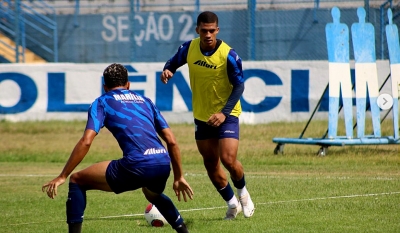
x=235 y=75
x=93 y=110
x=237 y=92
x=234 y=68
x=179 y=59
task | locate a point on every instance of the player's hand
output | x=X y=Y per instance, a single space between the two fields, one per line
x=216 y=119
x=51 y=187
x=165 y=76
x=181 y=186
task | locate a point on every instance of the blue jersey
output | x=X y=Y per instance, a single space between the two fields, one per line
x=135 y=122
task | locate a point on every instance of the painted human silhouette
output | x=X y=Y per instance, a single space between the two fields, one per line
x=363 y=35
x=392 y=36
x=337 y=37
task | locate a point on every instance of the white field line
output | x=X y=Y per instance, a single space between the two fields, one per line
x=220 y=207
x=274 y=202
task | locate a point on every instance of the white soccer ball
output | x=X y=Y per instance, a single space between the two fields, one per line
x=154 y=217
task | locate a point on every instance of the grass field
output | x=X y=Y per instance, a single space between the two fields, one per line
x=352 y=189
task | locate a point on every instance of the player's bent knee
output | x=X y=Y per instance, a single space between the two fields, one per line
x=74 y=178
x=150 y=196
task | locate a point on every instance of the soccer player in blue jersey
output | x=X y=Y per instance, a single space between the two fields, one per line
x=216 y=80
x=135 y=122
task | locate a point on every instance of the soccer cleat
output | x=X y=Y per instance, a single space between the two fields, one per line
x=182 y=229
x=231 y=213
x=247 y=205
x=75 y=227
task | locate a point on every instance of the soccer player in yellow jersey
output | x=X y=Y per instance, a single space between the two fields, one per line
x=216 y=80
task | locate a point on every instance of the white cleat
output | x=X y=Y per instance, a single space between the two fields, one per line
x=231 y=213
x=247 y=205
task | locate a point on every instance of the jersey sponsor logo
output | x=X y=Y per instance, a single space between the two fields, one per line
x=229 y=131
x=153 y=151
x=128 y=97
x=203 y=63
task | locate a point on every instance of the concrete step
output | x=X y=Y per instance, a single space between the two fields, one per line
x=9 y=54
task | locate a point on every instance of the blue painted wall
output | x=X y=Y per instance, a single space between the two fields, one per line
x=280 y=35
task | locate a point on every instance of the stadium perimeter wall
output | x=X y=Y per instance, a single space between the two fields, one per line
x=155 y=36
x=275 y=91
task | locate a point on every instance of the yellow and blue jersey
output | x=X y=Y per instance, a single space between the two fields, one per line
x=213 y=74
x=135 y=123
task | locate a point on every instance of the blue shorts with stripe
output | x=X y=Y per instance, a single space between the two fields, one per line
x=121 y=179
x=228 y=129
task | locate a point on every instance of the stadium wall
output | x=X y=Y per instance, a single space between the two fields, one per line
x=155 y=36
x=275 y=91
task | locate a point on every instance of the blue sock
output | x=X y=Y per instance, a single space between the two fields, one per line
x=76 y=203
x=239 y=184
x=227 y=192
x=168 y=210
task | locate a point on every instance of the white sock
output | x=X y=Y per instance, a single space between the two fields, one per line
x=233 y=202
x=242 y=192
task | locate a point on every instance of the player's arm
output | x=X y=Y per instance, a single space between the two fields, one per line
x=95 y=116
x=178 y=60
x=180 y=184
x=174 y=152
x=235 y=74
x=78 y=153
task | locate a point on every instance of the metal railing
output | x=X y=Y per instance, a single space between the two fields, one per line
x=10 y=26
x=25 y=25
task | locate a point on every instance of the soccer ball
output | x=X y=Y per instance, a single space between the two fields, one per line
x=154 y=217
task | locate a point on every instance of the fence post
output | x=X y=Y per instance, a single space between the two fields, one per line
x=382 y=25
x=76 y=24
x=366 y=6
x=132 y=31
x=17 y=35
x=55 y=38
x=251 y=12
x=316 y=6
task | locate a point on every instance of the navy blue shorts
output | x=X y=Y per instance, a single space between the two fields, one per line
x=228 y=129
x=121 y=179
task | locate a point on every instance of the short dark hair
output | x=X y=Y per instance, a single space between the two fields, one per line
x=207 y=17
x=115 y=75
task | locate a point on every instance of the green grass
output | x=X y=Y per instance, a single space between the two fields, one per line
x=352 y=189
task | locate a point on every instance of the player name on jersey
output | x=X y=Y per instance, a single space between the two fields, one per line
x=128 y=96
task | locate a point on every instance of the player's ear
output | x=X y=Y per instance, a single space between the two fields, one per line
x=197 y=30
x=127 y=85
